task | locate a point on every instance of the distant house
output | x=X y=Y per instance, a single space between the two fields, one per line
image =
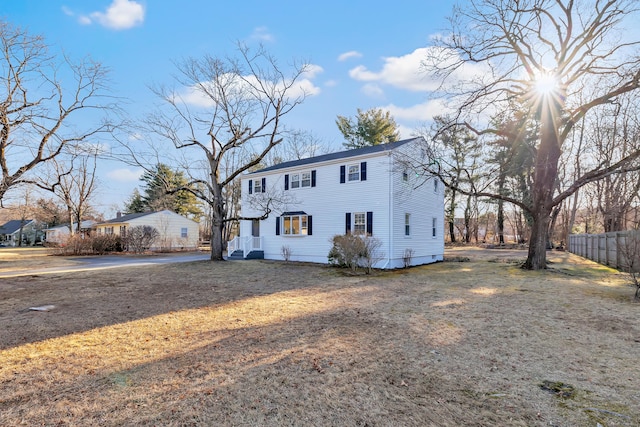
x=59 y=234
x=13 y=231
x=176 y=231
x=368 y=191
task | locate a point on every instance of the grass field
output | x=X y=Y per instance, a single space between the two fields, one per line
x=259 y=343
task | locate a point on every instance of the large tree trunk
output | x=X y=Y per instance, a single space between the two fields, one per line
x=216 y=240
x=217 y=221
x=537 y=256
x=500 y=222
x=452 y=217
x=546 y=173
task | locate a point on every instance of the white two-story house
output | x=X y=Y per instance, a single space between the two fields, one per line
x=371 y=190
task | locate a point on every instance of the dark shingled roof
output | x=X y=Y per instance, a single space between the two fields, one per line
x=14 y=225
x=339 y=155
x=125 y=218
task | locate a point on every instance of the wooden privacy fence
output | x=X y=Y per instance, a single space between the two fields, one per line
x=618 y=249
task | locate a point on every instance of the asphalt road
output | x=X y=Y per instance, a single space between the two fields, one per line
x=110 y=261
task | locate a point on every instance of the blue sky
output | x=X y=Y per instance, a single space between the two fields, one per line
x=366 y=54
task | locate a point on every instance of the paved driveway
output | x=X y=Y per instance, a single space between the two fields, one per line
x=110 y=261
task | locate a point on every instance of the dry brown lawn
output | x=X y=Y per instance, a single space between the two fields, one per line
x=258 y=343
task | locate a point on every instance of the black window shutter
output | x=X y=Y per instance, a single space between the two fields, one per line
x=250 y=186
x=286 y=182
x=277 y=226
x=264 y=185
x=309 y=226
x=313 y=179
x=347 y=223
x=363 y=171
x=370 y=223
x=343 y=172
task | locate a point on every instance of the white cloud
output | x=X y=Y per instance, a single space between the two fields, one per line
x=408 y=71
x=402 y=72
x=349 y=55
x=372 y=90
x=195 y=96
x=125 y=175
x=263 y=34
x=418 y=113
x=312 y=71
x=120 y=15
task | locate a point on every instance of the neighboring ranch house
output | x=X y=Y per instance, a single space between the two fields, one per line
x=59 y=234
x=12 y=231
x=176 y=231
x=371 y=190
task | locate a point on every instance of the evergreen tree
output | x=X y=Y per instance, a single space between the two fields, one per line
x=371 y=127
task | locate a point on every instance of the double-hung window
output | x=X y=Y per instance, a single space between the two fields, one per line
x=354 y=172
x=257 y=185
x=407 y=224
x=434 y=227
x=305 y=180
x=300 y=180
x=295 y=180
x=359 y=223
x=184 y=232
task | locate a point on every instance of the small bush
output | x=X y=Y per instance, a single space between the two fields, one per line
x=103 y=243
x=355 y=251
x=407 y=257
x=346 y=251
x=141 y=237
x=286 y=253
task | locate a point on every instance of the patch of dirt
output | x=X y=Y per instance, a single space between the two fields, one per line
x=272 y=344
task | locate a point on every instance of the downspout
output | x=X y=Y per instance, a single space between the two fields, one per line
x=390 y=200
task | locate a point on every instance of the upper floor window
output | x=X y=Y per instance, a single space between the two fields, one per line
x=435 y=185
x=257 y=185
x=405 y=176
x=353 y=172
x=300 y=180
x=184 y=232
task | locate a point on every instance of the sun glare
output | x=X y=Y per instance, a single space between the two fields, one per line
x=546 y=83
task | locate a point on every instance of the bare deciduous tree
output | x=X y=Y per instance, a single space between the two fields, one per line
x=226 y=106
x=74 y=183
x=542 y=54
x=41 y=98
